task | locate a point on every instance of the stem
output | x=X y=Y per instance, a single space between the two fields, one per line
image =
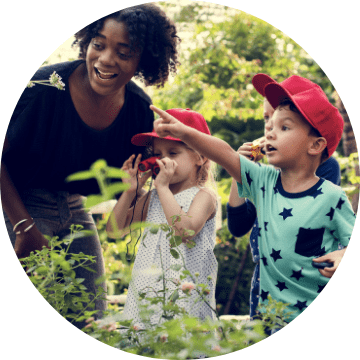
x=163 y=277
x=192 y=278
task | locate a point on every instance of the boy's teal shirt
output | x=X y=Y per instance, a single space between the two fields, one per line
x=294 y=228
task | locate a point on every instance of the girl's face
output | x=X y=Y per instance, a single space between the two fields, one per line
x=110 y=62
x=268 y=112
x=187 y=160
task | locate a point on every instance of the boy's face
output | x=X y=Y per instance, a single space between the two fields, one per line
x=287 y=138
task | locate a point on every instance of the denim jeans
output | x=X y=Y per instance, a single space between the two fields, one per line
x=53 y=213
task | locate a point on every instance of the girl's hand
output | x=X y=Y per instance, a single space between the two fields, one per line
x=167 y=170
x=167 y=125
x=137 y=179
x=334 y=257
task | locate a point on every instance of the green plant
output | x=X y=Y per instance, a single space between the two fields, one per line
x=52 y=271
x=54 y=80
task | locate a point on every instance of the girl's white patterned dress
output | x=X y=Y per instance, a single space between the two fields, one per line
x=147 y=267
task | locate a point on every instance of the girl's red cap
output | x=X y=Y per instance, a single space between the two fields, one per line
x=186 y=116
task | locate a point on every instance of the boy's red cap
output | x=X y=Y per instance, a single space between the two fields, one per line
x=186 y=116
x=309 y=99
x=294 y=84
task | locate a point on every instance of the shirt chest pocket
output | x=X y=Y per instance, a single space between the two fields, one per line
x=309 y=242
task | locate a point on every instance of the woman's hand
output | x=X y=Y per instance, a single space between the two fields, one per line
x=167 y=170
x=137 y=179
x=335 y=257
x=30 y=241
x=167 y=125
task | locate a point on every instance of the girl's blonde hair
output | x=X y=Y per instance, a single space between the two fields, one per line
x=206 y=175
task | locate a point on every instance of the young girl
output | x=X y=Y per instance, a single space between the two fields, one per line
x=179 y=190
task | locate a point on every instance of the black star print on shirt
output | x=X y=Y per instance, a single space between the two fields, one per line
x=263 y=190
x=264 y=295
x=275 y=254
x=286 y=213
x=264 y=259
x=259 y=230
x=301 y=305
x=248 y=178
x=330 y=214
x=297 y=274
x=281 y=285
x=275 y=190
x=265 y=225
x=321 y=288
x=339 y=204
x=316 y=193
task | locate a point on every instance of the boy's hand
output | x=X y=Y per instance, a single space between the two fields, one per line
x=167 y=170
x=137 y=180
x=167 y=125
x=245 y=150
x=334 y=257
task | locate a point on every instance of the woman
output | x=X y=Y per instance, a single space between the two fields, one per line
x=53 y=133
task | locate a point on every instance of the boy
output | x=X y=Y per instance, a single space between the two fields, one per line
x=241 y=214
x=301 y=217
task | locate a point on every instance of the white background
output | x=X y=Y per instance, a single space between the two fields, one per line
x=32 y=30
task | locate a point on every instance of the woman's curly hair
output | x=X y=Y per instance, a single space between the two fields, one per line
x=151 y=31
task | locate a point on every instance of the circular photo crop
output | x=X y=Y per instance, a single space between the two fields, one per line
x=180 y=180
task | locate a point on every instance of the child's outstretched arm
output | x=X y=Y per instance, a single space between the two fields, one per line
x=209 y=146
x=123 y=211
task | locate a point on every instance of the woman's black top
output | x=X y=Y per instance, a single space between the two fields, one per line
x=49 y=141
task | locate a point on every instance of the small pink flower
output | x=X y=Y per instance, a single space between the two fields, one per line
x=216 y=348
x=163 y=338
x=88 y=325
x=136 y=328
x=187 y=287
x=90 y=319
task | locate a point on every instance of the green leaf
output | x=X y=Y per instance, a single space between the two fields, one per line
x=175 y=267
x=81 y=175
x=98 y=165
x=178 y=240
x=154 y=229
x=93 y=200
x=174 y=253
x=174 y=296
x=190 y=244
x=116 y=188
x=117 y=173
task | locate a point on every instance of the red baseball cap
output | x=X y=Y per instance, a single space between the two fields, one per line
x=310 y=100
x=186 y=116
x=294 y=84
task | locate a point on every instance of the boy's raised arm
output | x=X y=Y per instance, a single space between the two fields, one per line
x=209 y=146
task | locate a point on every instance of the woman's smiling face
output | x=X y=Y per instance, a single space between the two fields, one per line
x=110 y=61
